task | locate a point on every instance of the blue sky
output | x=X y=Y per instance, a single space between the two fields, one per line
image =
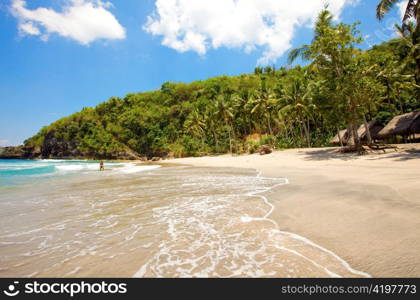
x=57 y=57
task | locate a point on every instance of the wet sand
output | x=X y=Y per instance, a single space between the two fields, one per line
x=140 y=221
x=366 y=209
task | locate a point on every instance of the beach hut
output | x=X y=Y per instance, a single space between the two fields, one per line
x=404 y=125
x=374 y=128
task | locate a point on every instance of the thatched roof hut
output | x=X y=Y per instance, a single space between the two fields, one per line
x=402 y=125
x=374 y=127
x=344 y=137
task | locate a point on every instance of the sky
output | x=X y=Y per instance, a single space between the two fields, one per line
x=58 y=56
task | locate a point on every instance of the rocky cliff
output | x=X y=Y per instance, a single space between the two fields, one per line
x=54 y=147
x=11 y=152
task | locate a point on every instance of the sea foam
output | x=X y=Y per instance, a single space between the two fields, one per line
x=133 y=168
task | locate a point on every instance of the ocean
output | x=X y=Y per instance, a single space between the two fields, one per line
x=61 y=218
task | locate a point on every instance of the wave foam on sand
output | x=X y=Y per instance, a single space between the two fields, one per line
x=207 y=240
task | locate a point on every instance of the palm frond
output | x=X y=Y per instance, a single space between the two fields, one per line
x=400 y=30
x=384 y=7
x=411 y=10
x=298 y=52
x=256 y=107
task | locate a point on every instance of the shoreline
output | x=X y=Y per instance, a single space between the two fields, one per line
x=362 y=208
x=268 y=217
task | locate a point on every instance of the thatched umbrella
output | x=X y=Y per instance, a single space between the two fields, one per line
x=415 y=127
x=344 y=138
x=374 y=128
x=402 y=125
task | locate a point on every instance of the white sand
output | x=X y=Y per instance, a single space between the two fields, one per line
x=364 y=208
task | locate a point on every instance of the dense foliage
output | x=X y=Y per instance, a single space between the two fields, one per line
x=289 y=107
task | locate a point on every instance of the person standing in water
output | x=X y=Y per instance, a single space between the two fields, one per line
x=101 y=166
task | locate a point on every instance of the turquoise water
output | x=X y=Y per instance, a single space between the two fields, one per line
x=16 y=172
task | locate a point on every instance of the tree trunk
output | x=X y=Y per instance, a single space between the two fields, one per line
x=357 y=144
x=309 y=133
x=350 y=140
x=269 y=124
x=388 y=93
x=233 y=137
x=400 y=102
x=339 y=138
x=286 y=129
x=216 y=140
x=308 y=138
x=302 y=136
x=230 y=142
x=368 y=135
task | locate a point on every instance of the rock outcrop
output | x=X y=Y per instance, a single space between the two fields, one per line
x=12 y=152
x=54 y=147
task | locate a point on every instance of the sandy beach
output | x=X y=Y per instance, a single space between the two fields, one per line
x=366 y=209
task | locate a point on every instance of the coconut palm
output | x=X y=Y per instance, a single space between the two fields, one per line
x=195 y=125
x=394 y=81
x=211 y=125
x=296 y=102
x=408 y=28
x=412 y=10
x=410 y=42
x=243 y=118
x=332 y=53
x=262 y=102
x=224 y=114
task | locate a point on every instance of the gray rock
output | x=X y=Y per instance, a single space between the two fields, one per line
x=265 y=149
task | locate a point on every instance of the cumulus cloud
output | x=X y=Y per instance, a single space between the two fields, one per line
x=201 y=25
x=82 y=20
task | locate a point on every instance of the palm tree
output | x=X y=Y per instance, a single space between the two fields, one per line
x=305 y=52
x=411 y=44
x=409 y=31
x=195 y=126
x=332 y=53
x=242 y=116
x=395 y=81
x=412 y=10
x=211 y=125
x=224 y=114
x=297 y=104
x=262 y=103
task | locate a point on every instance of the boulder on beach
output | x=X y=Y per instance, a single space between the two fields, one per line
x=265 y=149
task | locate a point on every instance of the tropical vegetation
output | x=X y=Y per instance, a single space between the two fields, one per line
x=338 y=85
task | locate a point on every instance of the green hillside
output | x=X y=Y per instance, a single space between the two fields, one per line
x=290 y=107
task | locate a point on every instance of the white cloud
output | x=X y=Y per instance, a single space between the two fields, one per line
x=82 y=20
x=4 y=143
x=29 y=28
x=402 y=6
x=201 y=25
